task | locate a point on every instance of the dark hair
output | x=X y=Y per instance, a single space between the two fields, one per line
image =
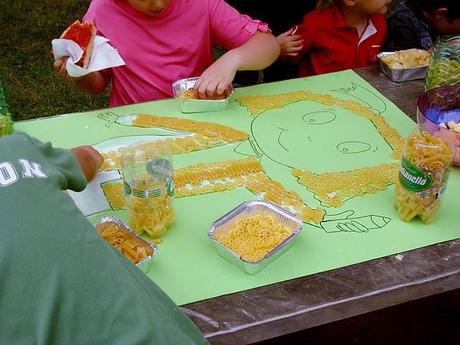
x=453 y=7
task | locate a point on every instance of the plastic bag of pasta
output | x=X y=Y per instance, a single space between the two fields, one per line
x=444 y=68
x=6 y=124
x=423 y=176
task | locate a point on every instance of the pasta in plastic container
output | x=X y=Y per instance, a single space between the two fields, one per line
x=148 y=189
x=423 y=176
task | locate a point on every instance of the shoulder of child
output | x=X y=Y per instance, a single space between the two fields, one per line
x=320 y=17
x=18 y=137
x=98 y=6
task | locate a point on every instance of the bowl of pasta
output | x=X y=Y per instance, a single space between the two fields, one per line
x=404 y=65
x=116 y=233
x=438 y=113
x=254 y=234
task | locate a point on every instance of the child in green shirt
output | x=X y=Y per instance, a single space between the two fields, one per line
x=60 y=282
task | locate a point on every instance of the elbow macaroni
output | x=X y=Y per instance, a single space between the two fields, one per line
x=422 y=177
x=124 y=241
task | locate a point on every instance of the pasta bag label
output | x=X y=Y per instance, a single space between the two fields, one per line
x=141 y=193
x=162 y=169
x=413 y=178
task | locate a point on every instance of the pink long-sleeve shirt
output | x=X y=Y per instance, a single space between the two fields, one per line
x=173 y=45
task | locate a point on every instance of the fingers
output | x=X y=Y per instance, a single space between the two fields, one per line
x=60 y=67
x=210 y=88
x=90 y=160
x=293 y=50
x=295 y=38
x=285 y=34
x=201 y=86
x=61 y=70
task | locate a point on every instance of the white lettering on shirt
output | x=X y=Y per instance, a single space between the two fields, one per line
x=8 y=174
x=31 y=169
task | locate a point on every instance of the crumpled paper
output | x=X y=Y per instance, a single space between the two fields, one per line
x=103 y=56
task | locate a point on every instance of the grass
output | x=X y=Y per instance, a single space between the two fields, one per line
x=32 y=88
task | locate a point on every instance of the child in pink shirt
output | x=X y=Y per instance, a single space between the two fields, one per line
x=165 y=40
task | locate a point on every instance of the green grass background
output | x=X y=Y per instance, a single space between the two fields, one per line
x=32 y=88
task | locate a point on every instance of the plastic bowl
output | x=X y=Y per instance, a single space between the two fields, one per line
x=438 y=107
x=435 y=109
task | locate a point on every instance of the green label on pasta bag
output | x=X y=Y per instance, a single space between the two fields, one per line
x=413 y=178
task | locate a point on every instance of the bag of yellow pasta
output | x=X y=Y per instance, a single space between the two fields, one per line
x=423 y=176
x=444 y=68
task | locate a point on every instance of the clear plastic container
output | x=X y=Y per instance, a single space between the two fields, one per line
x=148 y=188
x=444 y=68
x=423 y=176
x=438 y=112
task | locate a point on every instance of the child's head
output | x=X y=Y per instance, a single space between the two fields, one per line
x=443 y=15
x=149 y=7
x=367 y=6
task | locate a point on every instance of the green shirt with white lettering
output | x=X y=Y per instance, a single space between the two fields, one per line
x=60 y=283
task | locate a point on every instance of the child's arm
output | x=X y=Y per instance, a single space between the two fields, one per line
x=93 y=83
x=260 y=51
x=90 y=160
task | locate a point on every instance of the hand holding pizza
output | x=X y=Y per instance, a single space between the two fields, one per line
x=60 y=68
x=79 y=51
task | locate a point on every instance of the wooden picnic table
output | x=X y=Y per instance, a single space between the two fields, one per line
x=300 y=304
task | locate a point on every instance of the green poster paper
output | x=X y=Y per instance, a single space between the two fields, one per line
x=306 y=135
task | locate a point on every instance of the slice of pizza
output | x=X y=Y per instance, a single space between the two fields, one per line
x=83 y=34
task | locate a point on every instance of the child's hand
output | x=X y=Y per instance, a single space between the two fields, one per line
x=93 y=83
x=290 y=45
x=59 y=67
x=90 y=160
x=216 y=79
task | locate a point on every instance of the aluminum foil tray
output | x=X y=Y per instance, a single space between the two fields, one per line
x=248 y=208
x=399 y=75
x=197 y=105
x=145 y=263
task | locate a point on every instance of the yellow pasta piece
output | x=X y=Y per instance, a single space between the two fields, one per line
x=113 y=191
x=254 y=236
x=205 y=135
x=187 y=94
x=212 y=129
x=153 y=215
x=121 y=239
x=215 y=177
x=334 y=188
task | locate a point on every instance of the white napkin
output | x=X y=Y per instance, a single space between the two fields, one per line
x=103 y=56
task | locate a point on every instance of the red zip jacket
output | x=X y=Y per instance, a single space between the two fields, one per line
x=331 y=45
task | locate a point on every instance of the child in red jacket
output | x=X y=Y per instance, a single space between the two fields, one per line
x=348 y=34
